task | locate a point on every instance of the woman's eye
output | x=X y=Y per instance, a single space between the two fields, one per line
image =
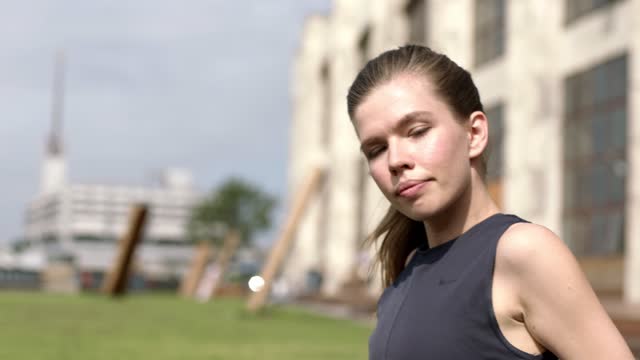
x=374 y=152
x=418 y=131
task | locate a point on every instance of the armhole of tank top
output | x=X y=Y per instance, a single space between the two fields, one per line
x=492 y=314
x=408 y=262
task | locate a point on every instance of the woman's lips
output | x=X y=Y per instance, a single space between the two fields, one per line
x=411 y=190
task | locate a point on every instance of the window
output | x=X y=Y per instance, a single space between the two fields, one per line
x=93 y=238
x=417 y=21
x=577 y=8
x=489 y=35
x=495 y=163
x=595 y=161
x=50 y=238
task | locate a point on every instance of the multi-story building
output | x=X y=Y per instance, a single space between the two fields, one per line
x=84 y=222
x=560 y=82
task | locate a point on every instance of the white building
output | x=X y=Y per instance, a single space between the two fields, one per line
x=86 y=220
x=559 y=80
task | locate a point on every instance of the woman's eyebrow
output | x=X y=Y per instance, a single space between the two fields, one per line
x=413 y=116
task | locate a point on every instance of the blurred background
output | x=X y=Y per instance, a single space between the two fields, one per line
x=216 y=114
x=111 y=103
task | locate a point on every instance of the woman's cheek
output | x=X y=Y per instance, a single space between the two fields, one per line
x=434 y=152
x=379 y=178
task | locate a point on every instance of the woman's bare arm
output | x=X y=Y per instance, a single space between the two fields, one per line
x=561 y=310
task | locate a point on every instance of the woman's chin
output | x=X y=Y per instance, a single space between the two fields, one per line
x=421 y=213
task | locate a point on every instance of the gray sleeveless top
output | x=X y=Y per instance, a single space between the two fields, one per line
x=440 y=305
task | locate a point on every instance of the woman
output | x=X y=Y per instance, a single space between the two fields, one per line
x=463 y=280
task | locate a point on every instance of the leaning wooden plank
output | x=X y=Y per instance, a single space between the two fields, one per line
x=282 y=245
x=116 y=280
x=231 y=242
x=193 y=276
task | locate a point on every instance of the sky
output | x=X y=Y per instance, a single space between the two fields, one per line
x=150 y=84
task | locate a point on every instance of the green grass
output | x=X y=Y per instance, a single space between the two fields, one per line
x=156 y=327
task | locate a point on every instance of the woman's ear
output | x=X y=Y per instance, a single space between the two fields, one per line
x=478 y=133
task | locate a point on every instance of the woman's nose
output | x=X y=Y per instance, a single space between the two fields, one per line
x=398 y=157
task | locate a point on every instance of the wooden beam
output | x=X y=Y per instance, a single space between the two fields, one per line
x=198 y=264
x=231 y=242
x=280 y=249
x=116 y=281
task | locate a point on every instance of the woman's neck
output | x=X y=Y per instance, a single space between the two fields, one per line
x=473 y=206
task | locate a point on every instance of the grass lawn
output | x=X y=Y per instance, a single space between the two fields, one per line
x=155 y=327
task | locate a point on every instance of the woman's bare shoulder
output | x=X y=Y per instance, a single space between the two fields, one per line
x=527 y=248
x=561 y=310
x=522 y=242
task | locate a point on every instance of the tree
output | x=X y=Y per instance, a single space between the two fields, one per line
x=236 y=204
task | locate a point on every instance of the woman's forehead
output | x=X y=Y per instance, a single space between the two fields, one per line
x=393 y=100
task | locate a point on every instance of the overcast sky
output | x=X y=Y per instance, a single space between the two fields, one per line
x=150 y=84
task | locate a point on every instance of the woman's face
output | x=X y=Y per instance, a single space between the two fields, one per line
x=418 y=152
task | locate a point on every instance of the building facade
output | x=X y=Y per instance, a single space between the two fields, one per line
x=560 y=83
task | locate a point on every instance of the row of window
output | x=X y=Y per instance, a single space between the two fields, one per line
x=126 y=211
x=89 y=238
x=490 y=23
x=106 y=202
